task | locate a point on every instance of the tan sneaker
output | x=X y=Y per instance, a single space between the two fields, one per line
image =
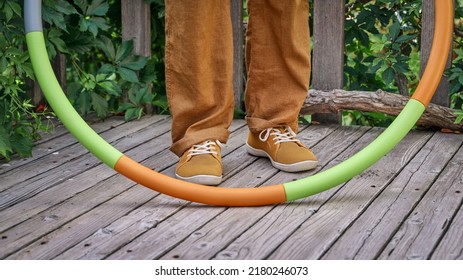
x=283 y=149
x=201 y=164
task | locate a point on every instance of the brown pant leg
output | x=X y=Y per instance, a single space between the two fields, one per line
x=199 y=71
x=278 y=62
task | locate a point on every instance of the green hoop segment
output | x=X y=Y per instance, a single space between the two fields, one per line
x=236 y=196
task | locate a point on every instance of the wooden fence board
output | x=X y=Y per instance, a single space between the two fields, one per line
x=136 y=25
x=238 y=51
x=328 y=50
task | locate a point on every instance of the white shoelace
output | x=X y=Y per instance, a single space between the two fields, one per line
x=206 y=147
x=287 y=135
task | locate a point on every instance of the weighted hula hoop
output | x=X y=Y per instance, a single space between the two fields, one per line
x=240 y=196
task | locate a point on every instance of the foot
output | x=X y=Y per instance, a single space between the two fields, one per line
x=201 y=164
x=284 y=150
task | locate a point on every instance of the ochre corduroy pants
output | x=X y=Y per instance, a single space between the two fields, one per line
x=199 y=67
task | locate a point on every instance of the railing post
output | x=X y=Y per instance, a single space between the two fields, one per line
x=238 y=51
x=328 y=50
x=136 y=26
x=441 y=97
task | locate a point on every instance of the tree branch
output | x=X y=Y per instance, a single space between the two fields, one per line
x=380 y=101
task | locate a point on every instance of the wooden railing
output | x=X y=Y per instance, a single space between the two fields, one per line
x=328 y=48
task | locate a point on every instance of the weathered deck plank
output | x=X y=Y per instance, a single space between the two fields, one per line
x=93 y=204
x=422 y=230
x=318 y=233
x=224 y=229
x=54 y=141
x=170 y=232
x=365 y=239
x=48 y=179
x=451 y=245
x=130 y=226
x=414 y=211
x=59 y=162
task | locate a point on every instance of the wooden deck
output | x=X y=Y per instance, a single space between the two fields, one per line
x=64 y=204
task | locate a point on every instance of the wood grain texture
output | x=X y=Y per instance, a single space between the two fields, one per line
x=58 y=139
x=270 y=230
x=97 y=214
x=136 y=25
x=61 y=166
x=328 y=34
x=223 y=229
x=422 y=230
x=365 y=238
x=236 y=7
x=451 y=245
x=380 y=101
x=321 y=230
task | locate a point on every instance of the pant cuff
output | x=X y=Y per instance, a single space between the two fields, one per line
x=180 y=146
x=257 y=124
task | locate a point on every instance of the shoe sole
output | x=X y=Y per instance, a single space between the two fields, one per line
x=208 y=180
x=293 y=167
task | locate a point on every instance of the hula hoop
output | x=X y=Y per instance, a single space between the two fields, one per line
x=240 y=196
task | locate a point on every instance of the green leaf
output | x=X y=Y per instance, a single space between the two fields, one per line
x=459 y=119
x=110 y=87
x=100 y=105
x=129 y=114
x=54 y=36
x=134 y=63
x=404 y=38
x=84 y=102
x=107 y=46
x=5 y=144
x=3 y=64
x=82 y=4
x=8 y=13
x=375 y=68
x=123 y=51
x=15 y=7
x=388 y=75
x=125 y=106
x=22 y=144
x=128 y=75
x=394 y=31
x=65 y=7
x=97 y=8
x=54 y=17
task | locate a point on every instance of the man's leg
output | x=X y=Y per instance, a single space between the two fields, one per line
x=199 y=71
x=278 y=65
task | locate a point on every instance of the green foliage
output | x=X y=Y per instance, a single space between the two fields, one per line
x=382 y=49
x=103 y=75
x=19 y=122
x=455 y=73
